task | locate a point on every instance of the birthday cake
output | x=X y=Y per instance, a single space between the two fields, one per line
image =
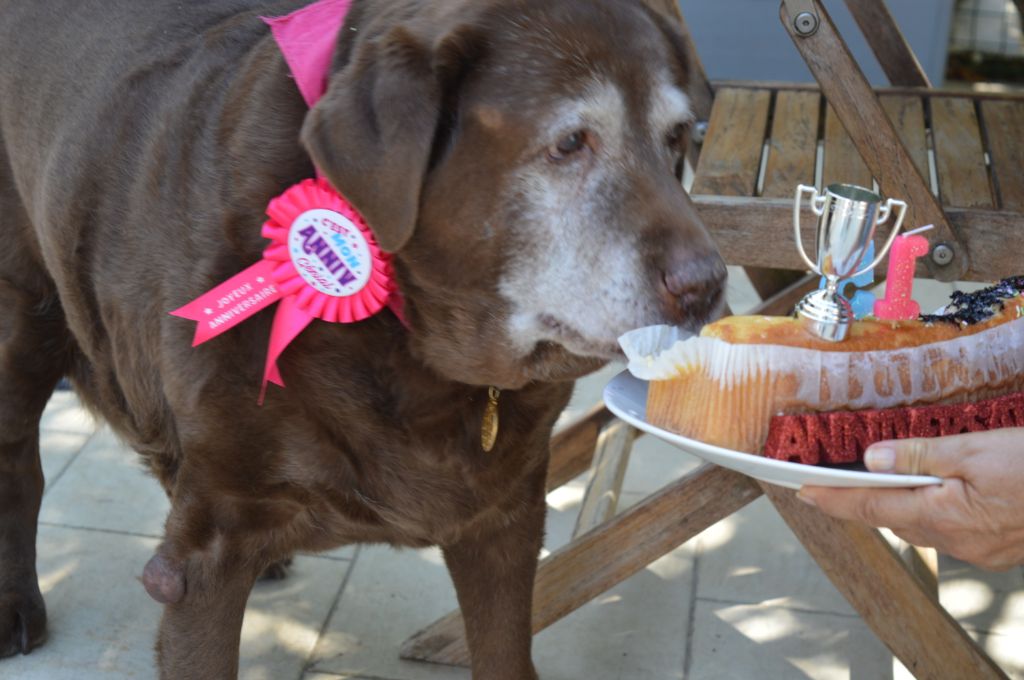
x=726 y=386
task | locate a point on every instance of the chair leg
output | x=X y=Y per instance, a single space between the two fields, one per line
x=891 y=601
x=892 y=50
x=587 y=567
x=922 y=563
x=604 y=487
x=572 y=447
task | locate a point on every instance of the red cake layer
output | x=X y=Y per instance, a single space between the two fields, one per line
x=842 y=436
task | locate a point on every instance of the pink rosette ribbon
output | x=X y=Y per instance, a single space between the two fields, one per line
x=322 y=263
x=328 y=268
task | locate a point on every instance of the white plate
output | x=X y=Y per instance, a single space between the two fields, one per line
x=626 y=397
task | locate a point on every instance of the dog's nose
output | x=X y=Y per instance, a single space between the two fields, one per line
x=695 y=285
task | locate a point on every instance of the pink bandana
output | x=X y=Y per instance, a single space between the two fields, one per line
x=323 y=261
x=307 y=38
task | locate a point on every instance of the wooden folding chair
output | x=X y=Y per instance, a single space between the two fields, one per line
x=954 y=156
x=957 y=158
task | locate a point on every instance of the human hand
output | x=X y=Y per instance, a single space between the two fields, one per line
x=976 y=514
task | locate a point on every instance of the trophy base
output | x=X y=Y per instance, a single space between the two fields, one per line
x=826 y=315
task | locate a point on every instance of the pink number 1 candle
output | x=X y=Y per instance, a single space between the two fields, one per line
x=897 y=304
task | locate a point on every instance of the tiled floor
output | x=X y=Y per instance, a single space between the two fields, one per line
x=742 y=600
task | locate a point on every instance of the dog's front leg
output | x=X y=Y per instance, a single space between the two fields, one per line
x=200 y=634
x=493 y=571
x=204 y=592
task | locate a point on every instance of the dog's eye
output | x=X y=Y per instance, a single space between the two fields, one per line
x=676 y=135
x=568 y=145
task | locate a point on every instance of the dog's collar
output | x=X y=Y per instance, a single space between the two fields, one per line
x=307 y=38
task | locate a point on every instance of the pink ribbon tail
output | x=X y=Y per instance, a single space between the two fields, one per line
x=232 y=302
x=289 y=321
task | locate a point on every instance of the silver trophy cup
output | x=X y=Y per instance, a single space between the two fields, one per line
x=847 y=218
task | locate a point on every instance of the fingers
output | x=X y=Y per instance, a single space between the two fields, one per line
x=973 y=515
x=939 y=456
x=877 y=507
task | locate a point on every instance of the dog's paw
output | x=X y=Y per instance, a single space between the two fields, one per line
x=22 y=621
x=277 y=571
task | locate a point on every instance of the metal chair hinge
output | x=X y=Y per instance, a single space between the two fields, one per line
x=803 y=14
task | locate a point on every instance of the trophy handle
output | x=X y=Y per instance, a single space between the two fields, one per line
x=818 y=206
x=883 y=215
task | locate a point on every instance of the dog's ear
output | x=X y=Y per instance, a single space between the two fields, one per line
x=373 y=133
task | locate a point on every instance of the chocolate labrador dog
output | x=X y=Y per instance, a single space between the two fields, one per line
x=518 y=157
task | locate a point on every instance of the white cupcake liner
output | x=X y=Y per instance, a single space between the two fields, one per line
x=831 y=380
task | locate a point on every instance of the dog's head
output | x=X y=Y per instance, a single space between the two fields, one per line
x=522 y=159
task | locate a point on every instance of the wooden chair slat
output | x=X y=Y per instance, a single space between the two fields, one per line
x=760 y=234
x=731 y=157
x=912 y=91
x=907 y=115
x=792 y=143
x=1004 y=126
x=842 y=161
x=959 y=154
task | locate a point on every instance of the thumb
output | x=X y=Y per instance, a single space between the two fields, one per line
x=939 y=456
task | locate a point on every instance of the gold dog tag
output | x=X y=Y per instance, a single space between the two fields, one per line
x=489 y=428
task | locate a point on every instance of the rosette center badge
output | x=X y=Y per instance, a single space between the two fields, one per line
x=329 y=252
